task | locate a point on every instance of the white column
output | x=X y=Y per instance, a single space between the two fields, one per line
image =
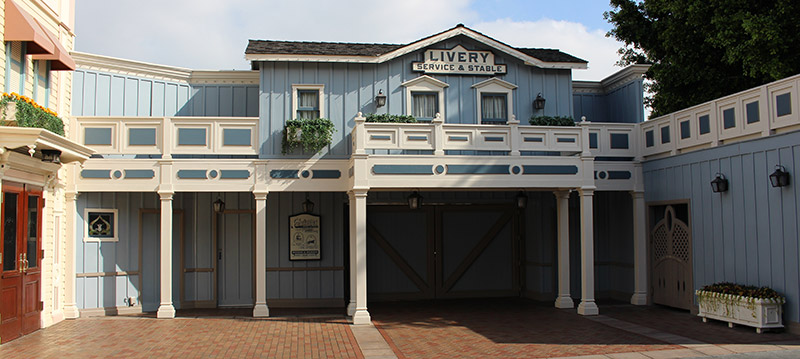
x=358 y=254
x=587 y=306
x=562 y=208
x=70 y=307
x=639 y=296
x=165 y=309
x=261 y=309
x=351 y=307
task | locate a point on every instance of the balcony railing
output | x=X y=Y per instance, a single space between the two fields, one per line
x=169 y=136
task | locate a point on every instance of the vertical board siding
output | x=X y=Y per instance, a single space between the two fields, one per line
x=748 y=234
x=98 y=93
x=351 y=88
x=620 y=105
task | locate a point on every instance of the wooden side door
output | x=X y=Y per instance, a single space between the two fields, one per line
x=11 y=278
x=671 y=261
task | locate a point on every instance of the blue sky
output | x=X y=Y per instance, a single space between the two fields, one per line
x=212 y=34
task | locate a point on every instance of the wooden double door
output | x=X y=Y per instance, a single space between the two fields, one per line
x=442 y=251
x=20 y=287
x=671 y=243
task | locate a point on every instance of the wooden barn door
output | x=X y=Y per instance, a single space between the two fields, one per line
x=672 y=261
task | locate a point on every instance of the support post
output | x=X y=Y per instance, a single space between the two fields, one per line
x=639 y=296
x=261 y=309
x=351 y=306
x=587 y=306
x=165 y=308
x=70 y=306
x=562 y=207
x=358 y=255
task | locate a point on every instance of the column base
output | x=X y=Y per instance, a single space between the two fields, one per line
x=639 y=299
x=588 y=308
x=260 y=311
x=71 y=312
x=166 y=311
x=564 y=302
x=361 y=317
x=351 y=308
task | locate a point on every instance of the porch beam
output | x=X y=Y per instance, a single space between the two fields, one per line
x=639 y=296
x=562 y=208
x=358 y=255
x=587 y=306
x=261 y=309
x=165 y=308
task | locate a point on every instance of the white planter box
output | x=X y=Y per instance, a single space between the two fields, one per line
x=757 y=313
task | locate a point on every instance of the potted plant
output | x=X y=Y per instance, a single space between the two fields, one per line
x=310 y=134
x=759 y=307
x=387 y=118
x=21 y=111
x=551 y=121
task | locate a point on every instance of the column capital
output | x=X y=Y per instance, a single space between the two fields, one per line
x=358 y=192
x=260 y=195
x=561 y=194
x=71 y=196
x=166 y=195
x=637 y=194
x=587 y=190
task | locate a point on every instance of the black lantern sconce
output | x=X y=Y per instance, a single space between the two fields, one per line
x=308 y=206
x=52 y=156
x=414 y=200
x=219 y=206
x=779 y=178
x=522 y=200
x=538 y=103
x=380 y=99
x=719 y=184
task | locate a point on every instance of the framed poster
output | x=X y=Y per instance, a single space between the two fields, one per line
x=304 y=237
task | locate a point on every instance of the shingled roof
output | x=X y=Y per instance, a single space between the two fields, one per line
x=269 y=47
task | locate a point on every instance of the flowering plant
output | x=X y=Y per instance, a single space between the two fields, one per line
x=28 y=113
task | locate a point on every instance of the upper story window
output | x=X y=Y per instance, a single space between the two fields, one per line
x=424 y=105
x=494 y=108
x=41 y=85
x=494 y=99
x=15 y=67
x=307 y=101
x=424 y=97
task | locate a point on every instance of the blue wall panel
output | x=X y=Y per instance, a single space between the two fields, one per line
x=621 y=105
x=748 y=234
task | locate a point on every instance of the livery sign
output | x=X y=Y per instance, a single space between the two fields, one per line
x=458 y=60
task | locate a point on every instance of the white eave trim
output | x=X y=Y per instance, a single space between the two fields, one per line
x=495 y=80
x=122 y=66
x=528 y=60
x=425 y=78
x=15 y=137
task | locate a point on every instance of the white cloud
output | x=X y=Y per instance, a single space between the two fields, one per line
x=570 y=37
x=206 y=34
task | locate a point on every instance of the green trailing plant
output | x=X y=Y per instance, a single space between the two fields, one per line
x=387 y=118
x=314 y=134
x=29 y=114
x=551 y=121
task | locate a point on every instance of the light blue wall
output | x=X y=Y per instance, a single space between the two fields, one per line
x=622 y=105
x=351 y=88
x=748 y=235
x=97 y=93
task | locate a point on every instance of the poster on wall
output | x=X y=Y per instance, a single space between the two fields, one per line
x=304 y=237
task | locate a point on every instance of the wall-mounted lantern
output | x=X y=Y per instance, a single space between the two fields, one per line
x=414 y=200
x=538 y=103
x=53 y=156
x=522 y=200
x=219 y=206
x=380 y=99
x=308 y=206
x=780 y=177
x=719 y=184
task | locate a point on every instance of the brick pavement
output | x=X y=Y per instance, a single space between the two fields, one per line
x=205 y=337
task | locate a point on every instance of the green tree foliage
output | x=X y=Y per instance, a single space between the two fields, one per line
x=704 y=49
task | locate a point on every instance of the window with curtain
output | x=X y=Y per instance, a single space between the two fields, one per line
x=424 y=105
x=307 y=104
x=494 y=109
x=41 y=87
x=15 y=68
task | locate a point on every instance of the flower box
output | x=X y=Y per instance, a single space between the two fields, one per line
x=760 y=313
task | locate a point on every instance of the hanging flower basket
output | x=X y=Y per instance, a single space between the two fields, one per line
x=761 y=308
x=21 y=111
x=312 y=135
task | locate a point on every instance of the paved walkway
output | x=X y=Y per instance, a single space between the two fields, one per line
x=507 y=328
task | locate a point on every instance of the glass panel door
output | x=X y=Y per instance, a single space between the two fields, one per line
x=32 y=238
x=10 y=231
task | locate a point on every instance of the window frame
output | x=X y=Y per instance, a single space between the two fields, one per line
x=297 y=88
x=426 y=84
x=494 y=86
x=87 y=238
x=22 y=64
x=423 y=93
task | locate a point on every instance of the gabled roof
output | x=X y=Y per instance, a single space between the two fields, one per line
x=265 y=50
